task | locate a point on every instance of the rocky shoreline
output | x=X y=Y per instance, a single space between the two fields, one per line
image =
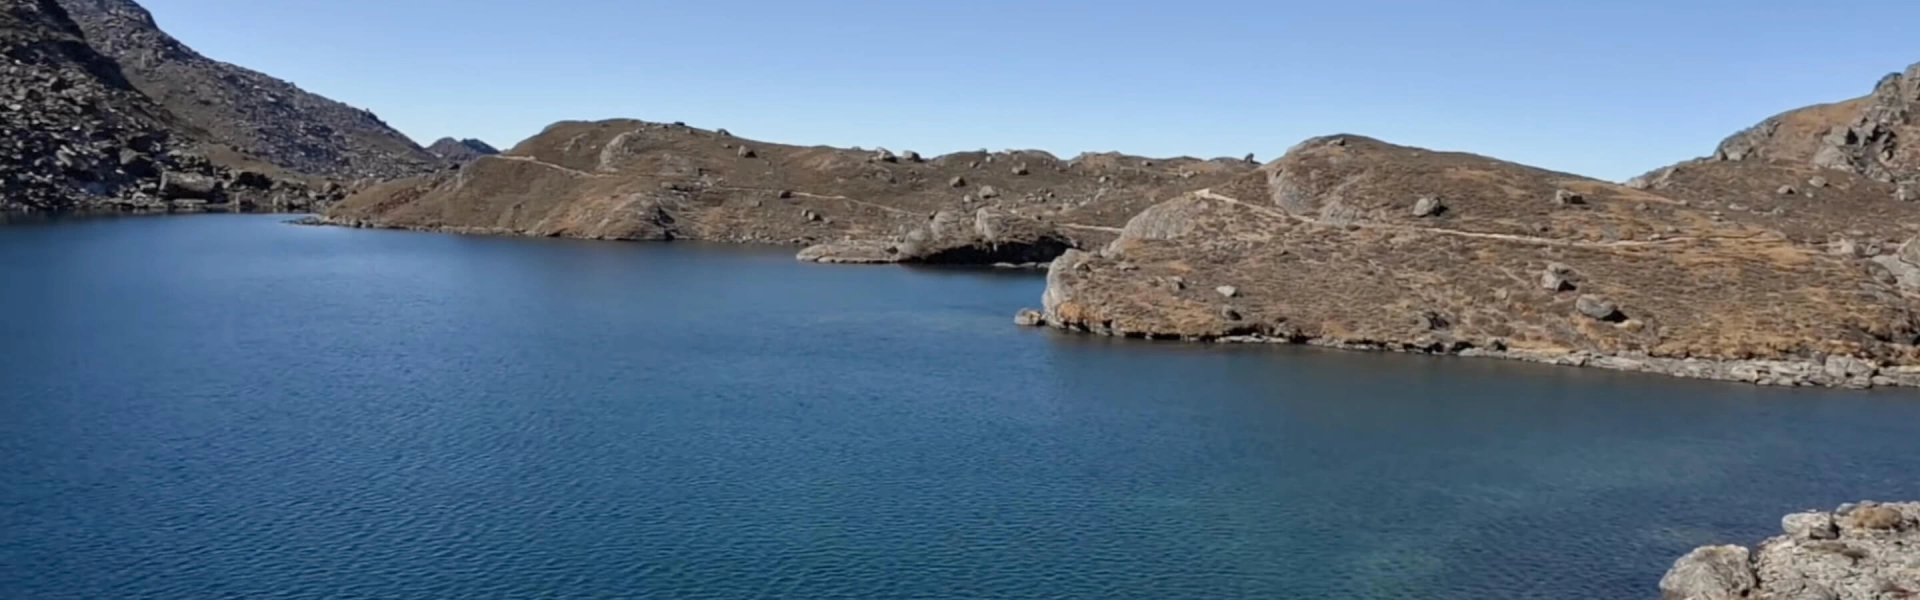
x=1859 y=551
x=324 y=220
x=1837 y=371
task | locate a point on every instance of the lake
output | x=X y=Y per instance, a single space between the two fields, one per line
x=227 y=406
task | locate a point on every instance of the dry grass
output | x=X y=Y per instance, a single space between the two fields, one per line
x=1717 y=289
x=587 y=179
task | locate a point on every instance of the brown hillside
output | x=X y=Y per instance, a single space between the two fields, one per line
x=629 y=179
x=1809 y=204
x=1326 y=245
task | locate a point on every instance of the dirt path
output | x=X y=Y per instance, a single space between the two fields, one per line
x=1507 y=237
x=1090 y=227
x=529 y=159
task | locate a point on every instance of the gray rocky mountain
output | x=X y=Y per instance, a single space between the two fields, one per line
x=244 y=112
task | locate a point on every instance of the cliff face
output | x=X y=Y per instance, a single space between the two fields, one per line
x=245 y=112
x=76 y=133
x=628 y=179
x=1353 y=242
x=1864 y=551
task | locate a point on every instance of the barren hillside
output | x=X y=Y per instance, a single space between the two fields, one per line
x=1354 y=242
x=629 y=179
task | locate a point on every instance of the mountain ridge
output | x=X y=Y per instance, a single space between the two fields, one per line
x=250 y=112
x=79 y=135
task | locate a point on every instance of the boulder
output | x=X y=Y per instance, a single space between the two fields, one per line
x=1859 y=552
x=1028 y=317
x=1909 y=251
x=1228 y=291
x=1568 y=198
x=1555 y=282
x=1598 y=308
x=1873 y=517
x=1811 y=525
x=1557 y=278
x=1428 y=206
x=1848 y=371
x=176 y=185
x=957 y=181
x=1710 y=573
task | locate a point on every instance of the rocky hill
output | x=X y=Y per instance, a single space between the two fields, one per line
x=628 y=179
x=244 y=112
x=1863 y=551
x=76 y=134
x=1787 y=258
x=460 y=151
x=1876 y=135
x=1352 y=242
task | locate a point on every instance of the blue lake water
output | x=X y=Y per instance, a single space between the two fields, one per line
x=226 y=406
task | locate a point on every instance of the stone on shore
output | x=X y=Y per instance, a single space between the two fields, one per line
x=1863 y=551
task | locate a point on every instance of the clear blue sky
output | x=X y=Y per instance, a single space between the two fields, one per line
x=1607 y=89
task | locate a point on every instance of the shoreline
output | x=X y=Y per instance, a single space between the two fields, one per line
x=1834 y=371
x=318 y=220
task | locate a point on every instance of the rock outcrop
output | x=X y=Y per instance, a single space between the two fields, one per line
x=991 y=237
x=1875 y=136
x=638 y=180
x=1321 y=248
x=244 y=112
x=461 y=151
x=1864 y=551
x=77 y=134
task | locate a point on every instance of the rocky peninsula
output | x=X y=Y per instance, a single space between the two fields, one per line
x=1862 y=551
x=1744 y=267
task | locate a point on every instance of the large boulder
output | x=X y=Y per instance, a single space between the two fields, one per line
x=1864 y=551
x=188 y=186
x=1710 y=573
